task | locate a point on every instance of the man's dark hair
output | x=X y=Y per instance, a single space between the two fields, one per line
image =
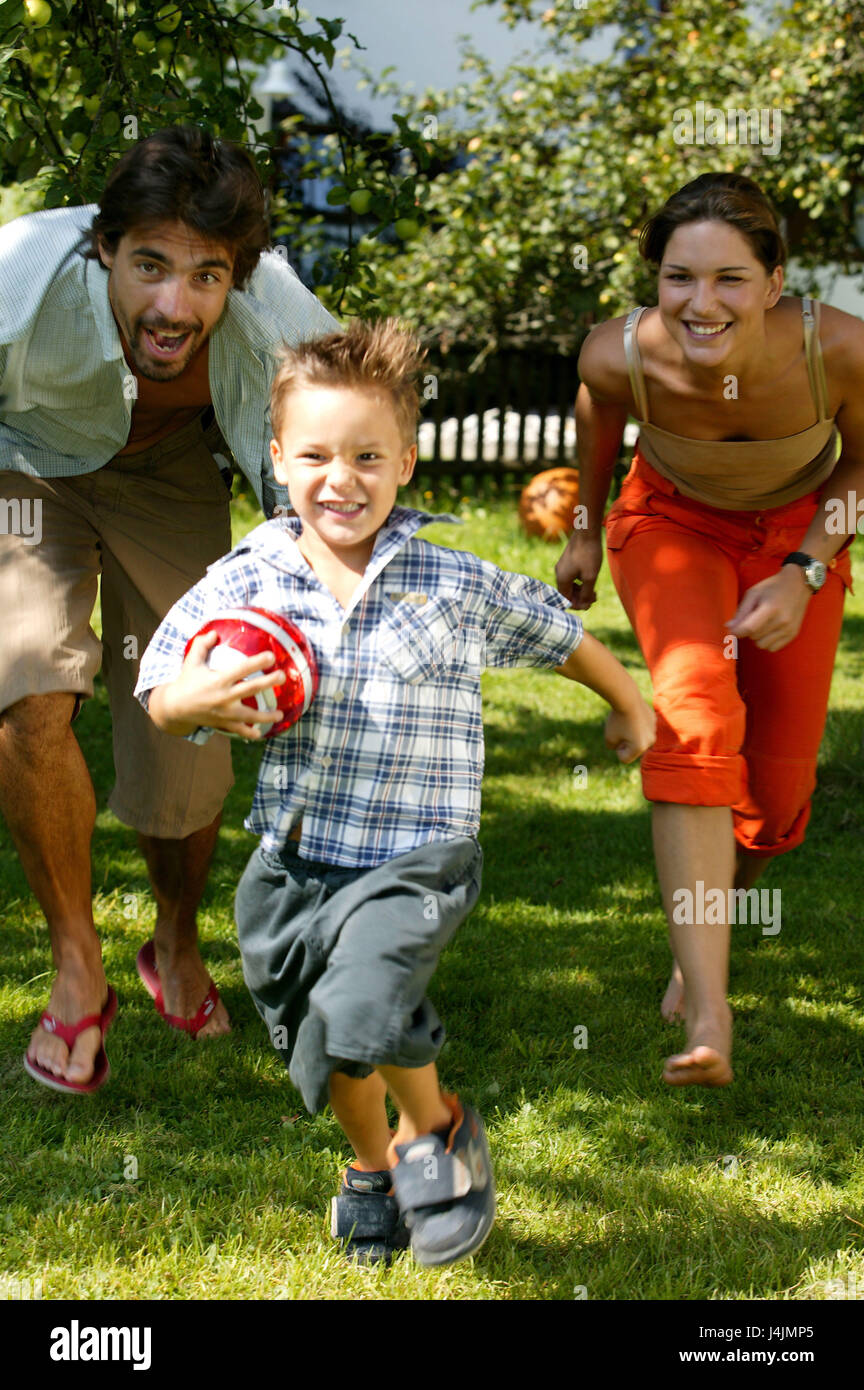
x=183 y=174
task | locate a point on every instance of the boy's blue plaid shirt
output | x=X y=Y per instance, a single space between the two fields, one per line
x=390 y=753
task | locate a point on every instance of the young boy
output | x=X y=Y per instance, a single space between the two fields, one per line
x=369 y=807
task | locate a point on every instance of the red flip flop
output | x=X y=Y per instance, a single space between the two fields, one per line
x=146 y=966
x=68 y=1032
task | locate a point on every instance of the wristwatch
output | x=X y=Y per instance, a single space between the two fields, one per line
x=814 y=570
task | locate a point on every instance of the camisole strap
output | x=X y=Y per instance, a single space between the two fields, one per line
x=813 y=351
x=634 y=363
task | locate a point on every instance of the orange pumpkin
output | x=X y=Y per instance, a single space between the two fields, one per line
x=548 y=503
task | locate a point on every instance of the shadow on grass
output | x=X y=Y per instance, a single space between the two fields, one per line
x=852 y=637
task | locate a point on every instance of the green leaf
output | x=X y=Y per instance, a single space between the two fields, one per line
x=332 y=27
x=56 y=194
x=29 y=168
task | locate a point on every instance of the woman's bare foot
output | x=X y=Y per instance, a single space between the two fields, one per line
x=673 y=1006
x=707 y=1061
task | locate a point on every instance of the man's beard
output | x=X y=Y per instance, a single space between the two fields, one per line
x=150 y=367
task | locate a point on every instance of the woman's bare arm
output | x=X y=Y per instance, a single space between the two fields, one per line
x=602 y=407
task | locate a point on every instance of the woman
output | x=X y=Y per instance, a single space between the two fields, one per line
x=719 y=551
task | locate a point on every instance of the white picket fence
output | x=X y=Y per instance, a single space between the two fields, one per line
x=540 y=438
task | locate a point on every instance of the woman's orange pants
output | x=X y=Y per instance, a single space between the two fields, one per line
x=736 y=726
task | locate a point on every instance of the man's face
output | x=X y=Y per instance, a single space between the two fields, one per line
x=167 y=288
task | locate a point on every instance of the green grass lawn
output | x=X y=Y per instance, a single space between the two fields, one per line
x=196 y=1172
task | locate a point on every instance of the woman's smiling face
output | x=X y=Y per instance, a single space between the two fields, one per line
x=713 y=291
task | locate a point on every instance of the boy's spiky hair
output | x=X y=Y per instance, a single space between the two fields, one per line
x=384 y=354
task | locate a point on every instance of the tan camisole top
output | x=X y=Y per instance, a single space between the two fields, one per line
x=742 y=474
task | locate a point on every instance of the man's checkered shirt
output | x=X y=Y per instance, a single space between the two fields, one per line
x=390 y=754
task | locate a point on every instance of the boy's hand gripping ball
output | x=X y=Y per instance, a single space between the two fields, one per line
x=245 y=632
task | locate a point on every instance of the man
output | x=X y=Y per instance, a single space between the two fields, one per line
x=138 y=342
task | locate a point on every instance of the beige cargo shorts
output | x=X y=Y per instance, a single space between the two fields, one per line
x=149 y=523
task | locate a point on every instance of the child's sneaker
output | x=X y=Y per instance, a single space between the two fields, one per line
x=445 y=1189
x=366 y=1217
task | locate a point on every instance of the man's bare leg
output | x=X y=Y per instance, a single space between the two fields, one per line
x=49 y=806
x=178 y=875
x=693 y=843
x=748 y=868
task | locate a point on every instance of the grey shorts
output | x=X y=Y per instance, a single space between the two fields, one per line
x=338 y=960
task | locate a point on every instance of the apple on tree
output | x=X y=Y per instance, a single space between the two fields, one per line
x=360 y=201
x=168 y=18
x=38 y=13
x=406 y=228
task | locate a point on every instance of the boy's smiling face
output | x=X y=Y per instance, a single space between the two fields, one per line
x=343 y=458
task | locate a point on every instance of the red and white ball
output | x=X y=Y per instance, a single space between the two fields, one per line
x=245 y=632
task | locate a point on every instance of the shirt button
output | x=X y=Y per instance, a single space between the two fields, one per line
x=346 y=627
x=326 y=760
x=338 y=696
x=280 y=511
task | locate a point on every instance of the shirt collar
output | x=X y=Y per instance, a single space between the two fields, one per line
x=270 y=542
x=96 y=276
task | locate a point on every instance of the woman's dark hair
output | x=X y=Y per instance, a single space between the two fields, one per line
x=731 y=198
x=183 y=174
